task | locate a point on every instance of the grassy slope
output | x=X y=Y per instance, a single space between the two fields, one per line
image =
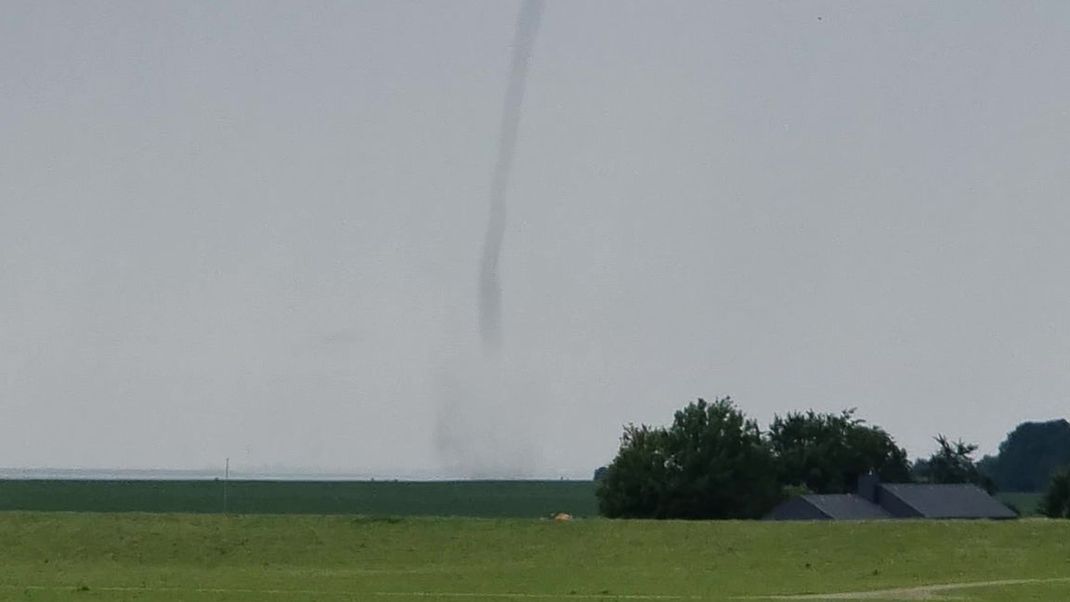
x=335 y=557
x=460 y=498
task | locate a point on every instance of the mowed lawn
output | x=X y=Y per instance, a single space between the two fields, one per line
x=66 y=556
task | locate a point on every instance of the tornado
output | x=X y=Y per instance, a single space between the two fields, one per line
x=490 y=288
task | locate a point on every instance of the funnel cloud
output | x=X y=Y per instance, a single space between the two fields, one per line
x=477 y=434
x=490 y=290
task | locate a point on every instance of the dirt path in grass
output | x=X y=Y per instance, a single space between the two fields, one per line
x=939 y=591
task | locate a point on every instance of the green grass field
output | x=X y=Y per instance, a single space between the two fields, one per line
x=490 y=499
x=132 y=556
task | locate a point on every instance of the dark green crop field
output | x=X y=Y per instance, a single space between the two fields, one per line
x=1027 y=504
x=489 y=499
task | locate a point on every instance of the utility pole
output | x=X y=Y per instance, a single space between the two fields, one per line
x=226 y=480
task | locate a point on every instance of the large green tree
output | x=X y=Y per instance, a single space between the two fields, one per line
x=827 y=453
x=1056 y=502
x=1029 y=456
x=712 y=462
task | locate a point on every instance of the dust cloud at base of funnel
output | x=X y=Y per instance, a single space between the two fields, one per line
x=486 y=425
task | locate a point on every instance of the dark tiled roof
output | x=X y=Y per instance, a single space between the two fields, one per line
x=947 y=501
x=846 y=507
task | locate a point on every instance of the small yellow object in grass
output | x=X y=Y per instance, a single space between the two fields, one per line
x=562 y=517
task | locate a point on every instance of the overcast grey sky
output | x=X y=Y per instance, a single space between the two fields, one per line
x=252 y=229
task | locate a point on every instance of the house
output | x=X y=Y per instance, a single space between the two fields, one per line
x=875 y=500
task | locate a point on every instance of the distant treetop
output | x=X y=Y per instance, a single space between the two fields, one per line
x=1032 y=453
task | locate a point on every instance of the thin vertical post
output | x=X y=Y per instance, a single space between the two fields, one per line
x=226 y=481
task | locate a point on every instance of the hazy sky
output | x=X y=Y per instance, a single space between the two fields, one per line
x=253 y=229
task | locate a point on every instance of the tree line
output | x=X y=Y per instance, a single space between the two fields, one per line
x=713 y=461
